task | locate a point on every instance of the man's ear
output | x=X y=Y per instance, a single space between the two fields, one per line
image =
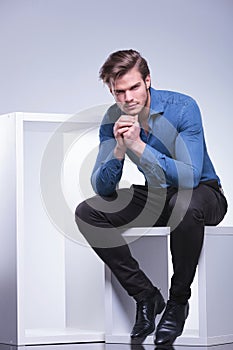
x=148 y=81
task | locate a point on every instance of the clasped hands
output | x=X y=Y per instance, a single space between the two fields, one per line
x=127 y=134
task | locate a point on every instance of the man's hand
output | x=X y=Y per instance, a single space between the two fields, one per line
x=127 y=133
x=122 y=125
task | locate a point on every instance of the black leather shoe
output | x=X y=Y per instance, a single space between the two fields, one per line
x=172 y=323
x=146 y=312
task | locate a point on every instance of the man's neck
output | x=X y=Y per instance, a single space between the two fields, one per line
x=144 y=114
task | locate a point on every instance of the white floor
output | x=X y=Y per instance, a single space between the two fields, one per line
x=103 y=346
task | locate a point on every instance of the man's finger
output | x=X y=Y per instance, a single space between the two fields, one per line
x=121 y=131
x=126 y=118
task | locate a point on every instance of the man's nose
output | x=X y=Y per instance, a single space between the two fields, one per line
x=128 y=96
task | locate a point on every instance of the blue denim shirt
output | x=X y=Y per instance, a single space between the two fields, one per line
x=175 y=152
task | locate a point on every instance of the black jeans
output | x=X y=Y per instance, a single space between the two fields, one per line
x=102 y=221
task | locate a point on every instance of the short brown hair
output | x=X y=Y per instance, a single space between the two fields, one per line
x=120 y=62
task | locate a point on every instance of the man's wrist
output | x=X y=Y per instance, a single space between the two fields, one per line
x=119 y=153
x=138 y=147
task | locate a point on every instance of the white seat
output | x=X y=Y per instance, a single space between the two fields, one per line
x=210 y=320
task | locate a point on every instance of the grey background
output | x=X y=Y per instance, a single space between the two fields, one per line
x=51 y=52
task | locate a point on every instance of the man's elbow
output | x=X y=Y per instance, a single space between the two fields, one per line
x=190 y=179
x=194 y=179
x=103 y=189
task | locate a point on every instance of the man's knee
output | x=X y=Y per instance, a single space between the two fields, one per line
x=82 y=211
x=186 y=206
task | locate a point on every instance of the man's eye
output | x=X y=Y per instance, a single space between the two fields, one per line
x=135 y=87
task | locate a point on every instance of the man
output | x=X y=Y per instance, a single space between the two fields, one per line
x=162 y=133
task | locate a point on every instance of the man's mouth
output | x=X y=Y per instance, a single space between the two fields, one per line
x=131 y=106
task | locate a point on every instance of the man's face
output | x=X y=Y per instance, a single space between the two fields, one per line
x=131 y=92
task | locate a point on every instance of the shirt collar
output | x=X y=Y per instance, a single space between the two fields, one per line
x=156 y=105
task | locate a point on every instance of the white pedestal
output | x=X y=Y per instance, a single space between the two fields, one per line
x=213 y=293
x=150 y=248
x=210 y=321
x=47 y=273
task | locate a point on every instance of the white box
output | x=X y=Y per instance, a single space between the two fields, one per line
x=150 y=248
x=210 y=320
x=47 y=272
